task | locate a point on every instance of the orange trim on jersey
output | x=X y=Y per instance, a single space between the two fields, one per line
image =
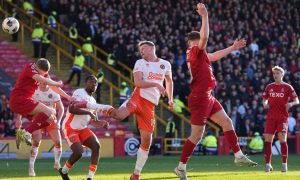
x=71 y=117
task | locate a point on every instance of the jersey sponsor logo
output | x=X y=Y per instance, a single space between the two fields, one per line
x=162 y=66
x=155 y=76
x=274 y=94
x=50 y=96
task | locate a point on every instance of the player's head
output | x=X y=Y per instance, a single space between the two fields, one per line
x=193 y=38
x=91 y=83
x=278 y=73
x=43 y=66
x=43 y=86
x=146 y=48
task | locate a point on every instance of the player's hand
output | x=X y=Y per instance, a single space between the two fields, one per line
x=201 y=9
x=288 y=106
x=106 y=110
x=60 y=84
x=161 y=89
x=266 y=106
x=171 y=105
x=57 y=124
x=71 y=99
x=94 y=117
x=238 y=44
x=104 y=124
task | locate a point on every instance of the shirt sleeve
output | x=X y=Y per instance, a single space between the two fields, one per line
x=292 y=94
x=138 y=66
x=30 y=72
x=266 y=93
x=35 y=96
x=168 y=68
x=56 y=97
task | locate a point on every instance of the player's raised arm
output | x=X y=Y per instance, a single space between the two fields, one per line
x=76 y=109
x=61 y=92
x=238 y=44
x=47 y=81
x=204 y=31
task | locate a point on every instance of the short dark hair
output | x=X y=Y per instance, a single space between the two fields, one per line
x=194 y=35
x=90 y=77
x=150 y=43
x=43 y=64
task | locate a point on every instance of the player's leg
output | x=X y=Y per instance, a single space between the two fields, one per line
x=92 y=143
x=188 y=149
x=121 y=113
x=73 y=141
x=282 y=136
x=268 y=151
x=43 y=116
x=270 y=130
x=56 y=138
x=143 y=152
x=36 y=140
x=220 y=117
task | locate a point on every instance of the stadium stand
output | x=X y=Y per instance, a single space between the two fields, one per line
x=271 y=29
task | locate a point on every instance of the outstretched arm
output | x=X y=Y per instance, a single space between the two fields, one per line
x=169 y=89
x=61 y=92
x=238 y=44
x=45 y=80
x=204 y=31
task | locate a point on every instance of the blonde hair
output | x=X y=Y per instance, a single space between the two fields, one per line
x=278 y=68
x=150 y=43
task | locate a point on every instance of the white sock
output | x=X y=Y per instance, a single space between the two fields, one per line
x=284 y=164
x=57 y=154
x=91 y=174
x=268 y=164
x=65 y=169
x=238 y=154
x=142 y=157
x=181 y=166
x=33 y=154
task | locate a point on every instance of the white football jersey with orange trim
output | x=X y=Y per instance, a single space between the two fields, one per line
x=49 y=98
x=152 y=72
x=78 y=122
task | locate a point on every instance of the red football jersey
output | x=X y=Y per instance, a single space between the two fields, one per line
x=25 y=85
x=203 y=79
x=278 y=95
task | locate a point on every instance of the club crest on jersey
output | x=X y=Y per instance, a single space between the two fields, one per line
x=271 y=90
x=147 y=65
x=129 y=105
x=50 y=96
x=162 y=66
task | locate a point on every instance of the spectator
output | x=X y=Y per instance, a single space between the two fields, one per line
x=210 y=144
x=291 y=124
x=52 y=20
x=88 y=51
x=45 y=43
x=77 y=67
x=100 y=77
x=9 y=128
x=124 y=92
x=256 y=144
x=36 y=37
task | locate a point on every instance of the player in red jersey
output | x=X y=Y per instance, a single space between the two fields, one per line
x=21 y=101
x=200 y=101
x=276 y=98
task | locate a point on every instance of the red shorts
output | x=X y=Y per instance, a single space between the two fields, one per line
x=74 y=135
x=22 y=105
x=202 y=108
x=143 y=109
x=276 y=125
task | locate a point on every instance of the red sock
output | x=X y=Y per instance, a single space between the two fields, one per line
x=68 y=164
x=93 y=167
x=268 y=152
x=284 y=151
x=39 y=122
x=187 y=151
x=232 y=139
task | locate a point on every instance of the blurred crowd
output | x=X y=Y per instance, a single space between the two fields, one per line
x=7 y=125
x=271 y=28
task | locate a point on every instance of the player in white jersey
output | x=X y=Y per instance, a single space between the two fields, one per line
x=149 y=76
x=51 y=99
x=75 y=130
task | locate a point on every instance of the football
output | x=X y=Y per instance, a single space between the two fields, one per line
x=10 y=25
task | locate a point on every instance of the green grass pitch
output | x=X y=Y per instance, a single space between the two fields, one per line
x=200 y=167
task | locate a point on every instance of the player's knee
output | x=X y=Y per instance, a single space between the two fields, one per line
x=195 y=138
x=97 y=147
x=57 y=144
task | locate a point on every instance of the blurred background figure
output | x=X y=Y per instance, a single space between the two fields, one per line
x=256 y=144
x=210 y=144
x=77 y=67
